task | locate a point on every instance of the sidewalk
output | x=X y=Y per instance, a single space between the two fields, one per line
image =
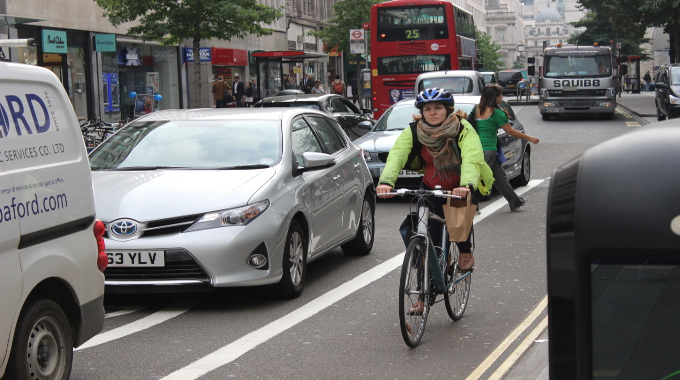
x=641 y=104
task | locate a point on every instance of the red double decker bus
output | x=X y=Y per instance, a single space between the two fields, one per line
x=409 y=37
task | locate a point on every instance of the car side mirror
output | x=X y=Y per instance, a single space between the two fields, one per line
x=315 y=161
x=365 y=125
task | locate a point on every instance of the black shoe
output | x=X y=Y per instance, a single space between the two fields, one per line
x=522 y=202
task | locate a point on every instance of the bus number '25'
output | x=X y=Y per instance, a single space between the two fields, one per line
x=412 y=34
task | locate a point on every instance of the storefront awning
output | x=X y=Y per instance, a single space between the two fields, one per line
x=289 y=54
x=7 y=20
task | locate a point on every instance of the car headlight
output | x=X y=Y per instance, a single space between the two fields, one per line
x=239 y=216
x=674 y=99
x=548 y=104
x=367 y=155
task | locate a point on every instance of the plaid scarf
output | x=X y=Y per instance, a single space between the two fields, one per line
x=441 y=142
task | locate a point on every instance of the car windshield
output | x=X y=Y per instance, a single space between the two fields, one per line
x=309 y=105
x=191 y=144
x=398 y=117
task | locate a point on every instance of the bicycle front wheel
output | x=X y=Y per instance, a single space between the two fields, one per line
x=414 y=289
x=458 y=291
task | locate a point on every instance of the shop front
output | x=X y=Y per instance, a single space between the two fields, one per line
x=272 y=65
x=67 y=54
x=144 y=76
x=229 y=63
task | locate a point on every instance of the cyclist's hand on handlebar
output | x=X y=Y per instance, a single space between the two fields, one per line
x=384 y=191
x=461 y=192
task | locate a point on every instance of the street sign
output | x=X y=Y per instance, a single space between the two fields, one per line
x=356 y=41
x=366 y=26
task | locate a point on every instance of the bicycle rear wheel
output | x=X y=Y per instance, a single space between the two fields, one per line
x=458 y=293
x=414 y=291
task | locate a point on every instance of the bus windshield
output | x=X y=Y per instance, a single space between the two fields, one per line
x=578 y=66
x=412 y=23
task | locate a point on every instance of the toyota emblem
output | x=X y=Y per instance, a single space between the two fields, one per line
x=124 y=228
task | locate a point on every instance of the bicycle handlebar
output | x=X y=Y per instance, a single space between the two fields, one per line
x=422 y=192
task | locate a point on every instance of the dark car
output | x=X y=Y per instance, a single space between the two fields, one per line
x=667 y=88
x=376 y=145
x=354 y=122
x=510 y=79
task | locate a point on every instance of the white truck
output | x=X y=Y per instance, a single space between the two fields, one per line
x=577 y=80
x=52 y=253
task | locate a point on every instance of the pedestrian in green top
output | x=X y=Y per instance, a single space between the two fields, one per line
x=489 y=118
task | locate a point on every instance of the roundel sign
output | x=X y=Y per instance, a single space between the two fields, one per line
x=358 y=34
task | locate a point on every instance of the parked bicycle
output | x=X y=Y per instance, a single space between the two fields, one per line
x=422 y=284
x=95 y=131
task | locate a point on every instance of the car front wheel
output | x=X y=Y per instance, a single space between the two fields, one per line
x=43 y=344
x=525 y=175
x=362 y=243
x=659 y=115
x=294 y=262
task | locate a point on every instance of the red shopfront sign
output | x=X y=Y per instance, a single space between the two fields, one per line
x=229 y=57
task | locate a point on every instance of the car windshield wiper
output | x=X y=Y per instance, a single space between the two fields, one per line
x=133 y=168
x=237 y=167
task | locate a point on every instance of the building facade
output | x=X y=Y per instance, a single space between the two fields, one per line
x=112 y=75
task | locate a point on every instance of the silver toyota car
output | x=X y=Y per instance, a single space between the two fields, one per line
x=229 y=197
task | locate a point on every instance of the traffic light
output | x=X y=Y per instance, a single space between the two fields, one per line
x=531 y=70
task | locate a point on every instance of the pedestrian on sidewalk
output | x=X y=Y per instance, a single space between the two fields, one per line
x=648 y=81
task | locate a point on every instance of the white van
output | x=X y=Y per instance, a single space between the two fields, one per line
x=51 y=247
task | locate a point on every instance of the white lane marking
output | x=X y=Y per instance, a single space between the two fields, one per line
x=169 y=312
x=499 y=203
x=234 y=350
x=484 y=366
x=519 y=351
x=123 y=312
x=241 y=346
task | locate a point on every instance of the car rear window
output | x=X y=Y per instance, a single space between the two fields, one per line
x=455 y=85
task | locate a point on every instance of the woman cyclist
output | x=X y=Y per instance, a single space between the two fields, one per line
x=444 y=146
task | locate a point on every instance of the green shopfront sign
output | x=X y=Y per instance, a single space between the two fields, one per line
x=105 y=42
x=54 y=41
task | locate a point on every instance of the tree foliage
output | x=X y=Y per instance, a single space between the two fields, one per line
x=348 y=14
x=489 y=56
x=173 y=21
x=601 y=32
x=629 y=18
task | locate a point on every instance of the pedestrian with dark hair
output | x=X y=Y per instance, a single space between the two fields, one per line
x=489 y=118
x=239 y=91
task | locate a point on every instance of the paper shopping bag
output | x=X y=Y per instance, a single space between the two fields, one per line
x=459 y=214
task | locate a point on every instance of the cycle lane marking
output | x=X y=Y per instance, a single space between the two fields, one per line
x=232 y=351
x=167 y=313
x=123 y=312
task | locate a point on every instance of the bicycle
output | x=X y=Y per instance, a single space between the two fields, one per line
x=442 y=278
x=95 y=131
